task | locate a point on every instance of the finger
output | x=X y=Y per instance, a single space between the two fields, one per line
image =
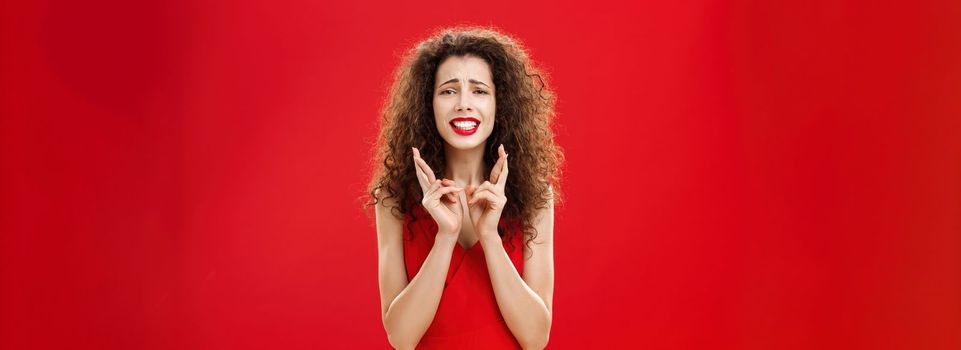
x=417 y=161
x=501 y=160
x=485 y=186
x=488 y=196
x=502 y=178
x=496 y=169
x=422 y=164
x=445 y=190
x=448 y=183
x=451 y=197
x=421 y=177
x=430 y=191
x=425 y=168
x=478 y=192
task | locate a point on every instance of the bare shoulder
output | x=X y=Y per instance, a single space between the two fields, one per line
x=392 y=273
x=544 y=220
x=387 y=222
x=539 y=267
x=383 y=204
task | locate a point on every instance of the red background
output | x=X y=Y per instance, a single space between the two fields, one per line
x=741 y=174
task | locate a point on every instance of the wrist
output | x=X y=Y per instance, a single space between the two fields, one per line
x=445 y=238
x=489 y=237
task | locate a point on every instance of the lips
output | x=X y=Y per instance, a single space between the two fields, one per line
x=465 y=126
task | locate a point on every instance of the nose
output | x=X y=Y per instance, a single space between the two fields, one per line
x=463 y=104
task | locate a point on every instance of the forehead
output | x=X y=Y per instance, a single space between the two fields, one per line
x=463 y=68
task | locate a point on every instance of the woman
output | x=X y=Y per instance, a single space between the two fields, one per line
x=464 y=196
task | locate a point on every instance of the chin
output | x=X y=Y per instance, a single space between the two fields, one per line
x=464 y=145
x=461 y=143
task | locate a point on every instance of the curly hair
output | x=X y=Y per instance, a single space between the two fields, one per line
x=524 y=115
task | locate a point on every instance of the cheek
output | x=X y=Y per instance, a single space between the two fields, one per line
x=490 y=108
x=438 y=108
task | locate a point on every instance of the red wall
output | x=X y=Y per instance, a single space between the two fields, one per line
x=741 y=174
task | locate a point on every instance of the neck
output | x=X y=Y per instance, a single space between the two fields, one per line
x=465 y=167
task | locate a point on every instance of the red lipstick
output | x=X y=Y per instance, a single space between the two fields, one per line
x=465 y=126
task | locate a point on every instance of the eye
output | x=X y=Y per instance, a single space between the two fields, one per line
x=447 y=91
x=480 y=92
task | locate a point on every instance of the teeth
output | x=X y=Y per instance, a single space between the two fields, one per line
x=465 y=125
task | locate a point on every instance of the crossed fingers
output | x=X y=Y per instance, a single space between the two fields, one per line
x=492 y=190
x=432 y=187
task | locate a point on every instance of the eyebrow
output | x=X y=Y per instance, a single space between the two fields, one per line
x=472 y=81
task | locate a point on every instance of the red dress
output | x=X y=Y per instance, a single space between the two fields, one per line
x=467 y=316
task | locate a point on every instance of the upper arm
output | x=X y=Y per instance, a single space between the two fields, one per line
x=391 y=272
x=539 y=268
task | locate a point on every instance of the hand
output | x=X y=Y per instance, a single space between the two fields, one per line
x=487 y=201
x=440 y=198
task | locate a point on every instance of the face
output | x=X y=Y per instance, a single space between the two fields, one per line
x=464 y=101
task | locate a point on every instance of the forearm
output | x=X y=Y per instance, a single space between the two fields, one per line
x=525 y=312
x=412 y=311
